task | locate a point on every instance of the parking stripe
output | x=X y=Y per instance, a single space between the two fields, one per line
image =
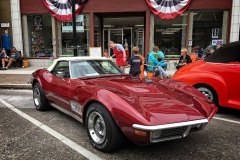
x=226 y=120
x=78 y=148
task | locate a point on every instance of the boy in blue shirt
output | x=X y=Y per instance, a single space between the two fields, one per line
x=135 y=62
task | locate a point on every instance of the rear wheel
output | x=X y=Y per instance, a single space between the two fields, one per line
x=39 y=98
x=102 y=130
x=209 y=92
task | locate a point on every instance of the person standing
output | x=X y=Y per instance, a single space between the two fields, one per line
x=119 y=53
x=6 y=42
x=135 y=63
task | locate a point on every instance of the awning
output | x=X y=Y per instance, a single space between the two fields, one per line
x=168 y=9
x=62 y=9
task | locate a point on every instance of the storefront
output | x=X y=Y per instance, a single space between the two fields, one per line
x=129 y=22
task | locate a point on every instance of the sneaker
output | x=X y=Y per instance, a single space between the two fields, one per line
x=6 y=68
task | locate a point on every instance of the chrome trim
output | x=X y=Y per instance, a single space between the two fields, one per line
x=67 y=112
x=167 y=126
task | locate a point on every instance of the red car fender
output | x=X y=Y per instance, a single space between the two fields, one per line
x=123 y=113
x=210 y=79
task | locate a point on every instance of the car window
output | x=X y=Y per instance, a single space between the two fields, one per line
x=62 y=67
x=93 y=68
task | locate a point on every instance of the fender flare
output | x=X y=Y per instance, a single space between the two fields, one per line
x=215 y=81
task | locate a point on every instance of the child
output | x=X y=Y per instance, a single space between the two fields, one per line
x=135 y=62
x=162 y=72
x=105 y=53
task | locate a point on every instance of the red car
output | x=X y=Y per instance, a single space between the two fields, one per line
x=217 y=77
x=114 y=105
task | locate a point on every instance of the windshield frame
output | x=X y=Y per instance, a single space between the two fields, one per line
x=98 y=72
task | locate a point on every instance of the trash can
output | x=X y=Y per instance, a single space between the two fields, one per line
x=25 y=63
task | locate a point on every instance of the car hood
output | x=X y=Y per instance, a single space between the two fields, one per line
x=156 y=101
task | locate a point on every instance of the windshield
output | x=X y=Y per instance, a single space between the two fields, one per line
x=84 y=68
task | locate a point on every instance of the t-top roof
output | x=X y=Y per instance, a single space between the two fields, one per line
x=74 y=59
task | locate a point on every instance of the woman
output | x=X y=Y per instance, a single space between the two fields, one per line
x=156 y=61
x=119 y=53
x=184 y=59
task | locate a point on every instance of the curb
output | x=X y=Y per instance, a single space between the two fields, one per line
x=15 y=86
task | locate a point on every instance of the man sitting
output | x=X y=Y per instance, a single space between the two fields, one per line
x=15 y=56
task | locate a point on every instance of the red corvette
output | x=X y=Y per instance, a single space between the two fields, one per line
x=217 y=77
x=114 y=105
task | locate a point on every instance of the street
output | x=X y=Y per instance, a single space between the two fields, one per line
x=22 y=139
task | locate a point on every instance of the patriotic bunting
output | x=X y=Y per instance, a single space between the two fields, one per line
x=62 y=9
x=168 y=9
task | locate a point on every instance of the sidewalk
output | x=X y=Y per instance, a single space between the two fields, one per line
x=19 y=78
x=16 y=78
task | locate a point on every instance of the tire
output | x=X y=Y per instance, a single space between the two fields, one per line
x=39 y=98
x=102 y=130
x=209 y=92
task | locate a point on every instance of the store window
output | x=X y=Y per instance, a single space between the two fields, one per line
x=67 y=45
x=39 y=29
x=207 y=28
x=170 y=35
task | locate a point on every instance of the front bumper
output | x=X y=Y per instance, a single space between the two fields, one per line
x=172 y=131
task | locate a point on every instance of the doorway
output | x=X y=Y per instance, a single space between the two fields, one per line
x=128 y=31
x=121 y=36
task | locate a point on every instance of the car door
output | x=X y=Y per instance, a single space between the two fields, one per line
x=232 y=77
x=60 y=85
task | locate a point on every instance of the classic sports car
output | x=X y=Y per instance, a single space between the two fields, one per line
x=114 y=105
x=217 y=77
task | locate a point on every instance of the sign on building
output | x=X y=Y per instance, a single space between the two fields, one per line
x=215 y=32
x=67 y=26
x=5 y=25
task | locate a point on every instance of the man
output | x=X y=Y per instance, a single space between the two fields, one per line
x=6 y=41
x=119 y=53
x=15 y=56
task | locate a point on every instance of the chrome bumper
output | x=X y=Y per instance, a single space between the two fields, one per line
x=171 y=131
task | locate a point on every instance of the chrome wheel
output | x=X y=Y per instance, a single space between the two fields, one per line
x=206 y=92
x=36 y=96
x=97 y=127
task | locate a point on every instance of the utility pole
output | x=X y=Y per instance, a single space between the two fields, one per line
x=74 y=29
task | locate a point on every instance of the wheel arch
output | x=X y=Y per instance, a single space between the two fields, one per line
x=209 y=87
x=220 y=90
x=87 y=105
x=213 y=80
x=34 y=82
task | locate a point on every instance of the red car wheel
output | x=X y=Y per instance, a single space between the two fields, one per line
x=103 y=132
x=209 y=92
x=39 y=98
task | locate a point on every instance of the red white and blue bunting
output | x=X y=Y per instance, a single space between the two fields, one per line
x=62 y=9
x=168 y=9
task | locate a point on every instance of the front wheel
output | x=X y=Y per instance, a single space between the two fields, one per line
x=102 y=130
x=39 y=98
x=208 y=92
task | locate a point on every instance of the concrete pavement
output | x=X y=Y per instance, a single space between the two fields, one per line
x=16 y=78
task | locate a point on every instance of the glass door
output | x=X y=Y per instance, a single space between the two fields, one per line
x=115 y=35
x=121 y=36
